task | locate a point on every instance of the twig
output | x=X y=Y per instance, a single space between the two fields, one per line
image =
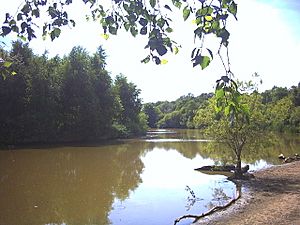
x=214 y=209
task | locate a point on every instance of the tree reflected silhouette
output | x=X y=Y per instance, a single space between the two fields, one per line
x=268 y=150
x=70 y=185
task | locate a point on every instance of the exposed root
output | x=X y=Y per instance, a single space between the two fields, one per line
x=214 y=209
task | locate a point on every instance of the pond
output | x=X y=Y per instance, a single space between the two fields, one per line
x=149 y=181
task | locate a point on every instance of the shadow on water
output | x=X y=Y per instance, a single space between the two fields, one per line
x=70 y=185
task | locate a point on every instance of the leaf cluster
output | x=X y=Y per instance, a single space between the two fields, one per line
x=147 y=18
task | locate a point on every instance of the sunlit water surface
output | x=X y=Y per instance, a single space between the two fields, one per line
x=150 y=181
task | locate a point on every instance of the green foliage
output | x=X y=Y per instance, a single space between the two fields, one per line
x=152 y=113
x=6 y=64
x=238 y=133
x=294 y=120
x=128 y=96
x=275 y=94
x=170 y=120
x=196 y=112
x=279 y=113
x=241 y=126
x=135 y=16
x=66 y=99
x=176 y=114
x=282 y=108
x=296 y=94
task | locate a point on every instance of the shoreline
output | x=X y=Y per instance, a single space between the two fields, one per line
x=272 y=197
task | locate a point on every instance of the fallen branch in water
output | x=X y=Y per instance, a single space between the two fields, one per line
x=214 y=209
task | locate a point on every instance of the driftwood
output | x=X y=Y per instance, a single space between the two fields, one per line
x=289 y=159
x=211 y=211
x=226 y=168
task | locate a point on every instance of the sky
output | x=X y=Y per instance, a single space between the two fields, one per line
x=265 y=40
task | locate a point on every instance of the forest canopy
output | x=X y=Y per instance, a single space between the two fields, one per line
x=279 y=108
x=66 y=99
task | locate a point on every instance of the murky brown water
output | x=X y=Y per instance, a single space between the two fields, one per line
x=138 y=182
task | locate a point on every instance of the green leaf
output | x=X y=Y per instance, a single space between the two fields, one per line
x=26 y=8
x=157 y=60
x=36 y=13
x=7 y=64
x=19 y=16
x=168 y=7
x=12 y=22
x=218 y=109
x=55 y=33
x=176 y=50
x=227 y=110
x=143 y=31
x=22 y=37
x=186 y=12
x=143 y=22
x=13 y=73
x=161 y=22
x=177 y=3
x=169 y=30
x=164 y=61
x=205 y=11
x=225 y=3
x=126 y=26
x=245 y=108
x=152 y=3
x=105 y=36
x=216 y=25
x=224 y=34
x=15 y=29
x=52 y=12
x=233 y=9
x=161 y=50
x=112 y=30
x=146 y=60
x=205 y=62
x=5 y=30
x=219 y=93
x=133 y=31
x=208 y=18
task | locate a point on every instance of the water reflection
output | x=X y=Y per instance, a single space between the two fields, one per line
x=162 y=196
x=193 y=143
x=138 y=182
x=69 y=185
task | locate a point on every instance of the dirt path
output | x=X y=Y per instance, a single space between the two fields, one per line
x=273 y=198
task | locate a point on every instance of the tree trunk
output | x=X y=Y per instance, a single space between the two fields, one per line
x=238 y=169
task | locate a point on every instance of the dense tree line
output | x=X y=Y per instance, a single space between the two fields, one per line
x=280 y=108
x=72 y=98
x=175 y=114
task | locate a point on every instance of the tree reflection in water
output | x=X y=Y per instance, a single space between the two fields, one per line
x=191 y=199
x=70 y=185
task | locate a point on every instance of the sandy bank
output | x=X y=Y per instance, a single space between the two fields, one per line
x=273 y=198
